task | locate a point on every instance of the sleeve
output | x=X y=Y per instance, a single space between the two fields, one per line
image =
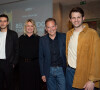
x=41 y=57
x=95 y=65
x=66 y=44
x=16 y=48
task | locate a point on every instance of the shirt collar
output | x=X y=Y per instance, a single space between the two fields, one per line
x=55 y=36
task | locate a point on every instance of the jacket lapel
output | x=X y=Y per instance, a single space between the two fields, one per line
x=46 y=41
x=7 y=43
x=59 y=42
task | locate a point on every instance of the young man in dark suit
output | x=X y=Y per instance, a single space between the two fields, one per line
x=8 y=53
x=52 y=56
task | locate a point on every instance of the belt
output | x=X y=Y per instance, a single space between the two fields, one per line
x=27 y=59
x=56 y=66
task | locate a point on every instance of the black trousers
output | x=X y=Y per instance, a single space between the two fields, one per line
x=6 y=75
x=29 y=75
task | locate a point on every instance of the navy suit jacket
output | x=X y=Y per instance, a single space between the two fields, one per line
x=44 y=53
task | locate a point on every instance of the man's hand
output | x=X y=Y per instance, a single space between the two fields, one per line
x=43 y=78
x=89 y=86
x=13 y=65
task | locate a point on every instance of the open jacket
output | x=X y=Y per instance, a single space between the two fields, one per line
x=45 y=56
x=12 y=47
x=88 y=57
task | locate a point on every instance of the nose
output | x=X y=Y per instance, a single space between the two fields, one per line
x=76 y=19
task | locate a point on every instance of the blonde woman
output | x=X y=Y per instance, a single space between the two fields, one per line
x=28 y=55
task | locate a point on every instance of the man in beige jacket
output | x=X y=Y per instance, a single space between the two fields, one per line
x=83 y=71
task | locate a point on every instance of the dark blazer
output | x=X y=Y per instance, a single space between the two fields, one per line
x=12 y=47
x=44 y=53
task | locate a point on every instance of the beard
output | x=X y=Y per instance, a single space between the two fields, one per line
x=77 y=26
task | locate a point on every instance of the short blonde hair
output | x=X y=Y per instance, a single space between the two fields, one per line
x=33 y=23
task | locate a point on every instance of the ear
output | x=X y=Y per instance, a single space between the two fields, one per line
x=8 y=23
x=45 y=28
x=56 y=26
x=70 y=20
x=83 y=18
